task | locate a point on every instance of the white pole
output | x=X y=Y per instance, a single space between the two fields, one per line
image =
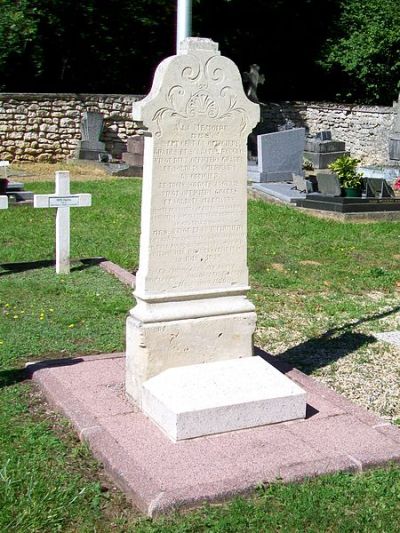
x=62 y=225
x=184 y=21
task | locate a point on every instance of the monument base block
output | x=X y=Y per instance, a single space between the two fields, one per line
x=199 y=400
x=157 y=340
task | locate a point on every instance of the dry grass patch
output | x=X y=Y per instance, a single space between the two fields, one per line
x=45 y=171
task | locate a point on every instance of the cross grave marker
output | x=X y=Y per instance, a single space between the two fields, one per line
x=62 y=200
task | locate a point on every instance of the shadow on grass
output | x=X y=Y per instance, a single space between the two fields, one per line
x=16 y=375
x=15 y=268
x=324 y=350
x=11 y=377
x=327 y=348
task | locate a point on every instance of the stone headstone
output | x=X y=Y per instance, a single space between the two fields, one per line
x=192 y=280
x=377 y=188
x=324 y=135
x=301 y=184
x=280 y=154
x=321 y=150
x=394 y=137
x=90 y=147
x=328 y=184
x=134 y=155
x=287 y=125
x=4 y=166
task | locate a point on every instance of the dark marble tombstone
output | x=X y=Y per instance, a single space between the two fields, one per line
x=377 y=188
x=328 y=185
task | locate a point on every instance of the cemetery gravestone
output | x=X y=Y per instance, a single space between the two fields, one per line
x=192 y=280
x=90 y=147
x=322 y=150
x=62 y=200
x=328 y=185
x=301 y=184
x=280 y=154
x=394 y=138
x=134 y=155
x=377 y=188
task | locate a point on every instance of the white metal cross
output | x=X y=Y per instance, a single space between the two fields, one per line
x=62 y=200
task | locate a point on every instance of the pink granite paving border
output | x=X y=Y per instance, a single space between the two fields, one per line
x=123 y=275
x=160 y=476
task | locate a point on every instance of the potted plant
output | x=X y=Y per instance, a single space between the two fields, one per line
x=345 y=168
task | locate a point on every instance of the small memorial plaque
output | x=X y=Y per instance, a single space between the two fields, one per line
x=64 y=201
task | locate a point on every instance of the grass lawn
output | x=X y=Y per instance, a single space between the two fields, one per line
x=321 y=289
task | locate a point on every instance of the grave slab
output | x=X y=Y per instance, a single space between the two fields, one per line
x=281 y=191
x=3 y=202
x=198 y=400
x=392 y=337
x=160 y=476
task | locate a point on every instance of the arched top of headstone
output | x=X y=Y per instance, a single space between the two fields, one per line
x=200 y=85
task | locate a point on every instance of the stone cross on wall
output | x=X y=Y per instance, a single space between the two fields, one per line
x=192 y=280
x=62 y=200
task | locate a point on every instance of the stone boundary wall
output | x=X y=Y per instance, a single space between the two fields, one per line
x=365 y=129
x=46 y=127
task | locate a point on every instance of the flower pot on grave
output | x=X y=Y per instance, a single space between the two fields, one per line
x=3 y=185
x=351 y=192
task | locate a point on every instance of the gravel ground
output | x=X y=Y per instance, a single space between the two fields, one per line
x=345 y=355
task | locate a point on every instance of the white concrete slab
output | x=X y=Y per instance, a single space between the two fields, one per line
x=205 y=399
x=392 y=337
x=3 y=202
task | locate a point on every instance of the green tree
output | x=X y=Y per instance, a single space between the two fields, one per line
x=90 y=45
x=17 y=31
x=363 y=51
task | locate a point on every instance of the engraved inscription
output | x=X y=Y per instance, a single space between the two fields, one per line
x=195 y=201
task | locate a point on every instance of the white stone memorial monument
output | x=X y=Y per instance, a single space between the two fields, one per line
x=192 y=281
x=62 y=200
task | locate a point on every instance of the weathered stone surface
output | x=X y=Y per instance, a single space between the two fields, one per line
x=193 y=277
x=200 y=400
x=365 y=129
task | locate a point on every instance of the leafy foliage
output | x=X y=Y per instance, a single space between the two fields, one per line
x=346 y=169
x=364 y=50
x=335 y=49
x=65 y=45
